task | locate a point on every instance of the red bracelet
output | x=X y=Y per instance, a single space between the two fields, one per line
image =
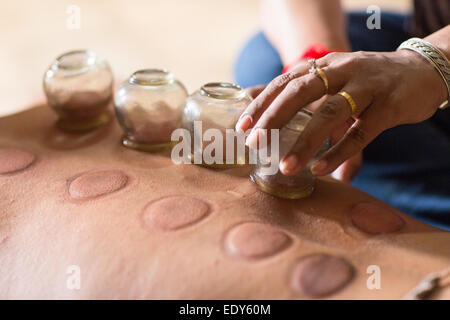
x=315 y=51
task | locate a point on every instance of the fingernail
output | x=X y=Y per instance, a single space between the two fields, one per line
x=244 y=123
x=289 y=164
x=318 y=167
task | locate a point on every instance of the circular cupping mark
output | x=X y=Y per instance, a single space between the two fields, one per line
x=320 y=275
x=252 y=240
x=13 y=160
x=95 y=184
x=375 y=219
x=175 y=212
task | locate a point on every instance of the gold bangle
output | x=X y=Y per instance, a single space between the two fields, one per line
x=349 y=99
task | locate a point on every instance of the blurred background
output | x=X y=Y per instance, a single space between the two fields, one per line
x=197 y=40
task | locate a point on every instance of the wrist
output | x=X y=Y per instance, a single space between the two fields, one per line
x=427 y=72
x=435 y=58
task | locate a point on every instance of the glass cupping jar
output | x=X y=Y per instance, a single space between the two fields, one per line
x=79 y=86
x=216 y=105
x=149 y=107
x=279 y=185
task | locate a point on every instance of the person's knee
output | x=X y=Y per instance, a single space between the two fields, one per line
x=258 y=62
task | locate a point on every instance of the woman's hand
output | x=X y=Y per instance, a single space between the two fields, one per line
x=347 y=170
x=389 y=89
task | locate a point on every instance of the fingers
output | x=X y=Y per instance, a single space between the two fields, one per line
x=292 y=91
x=245 y=120
x=363 y=131
x=331 y=115
x=296 y=95
x=299 y=93
x=266 y=97
x=349 y=169
x=253 y=92
x=338 y=133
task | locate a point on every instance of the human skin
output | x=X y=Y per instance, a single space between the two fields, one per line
x=389 y=88
x=347 y=170
x=140 y=227
x=292 y=26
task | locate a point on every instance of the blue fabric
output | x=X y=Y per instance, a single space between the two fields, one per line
x=407 y=166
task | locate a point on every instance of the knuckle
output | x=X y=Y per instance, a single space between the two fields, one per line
x=255 y=106
x=329 y=110
x=392 y=115
x=267 y=118
x=282 y=80
x=351 y=61
x=254 y=92
x=302 y=146
x=270 y=119
x=355 y=59
x=378 y=89
x=295 y=85
x=337 y=59
x=357 y=135
x=333 y=56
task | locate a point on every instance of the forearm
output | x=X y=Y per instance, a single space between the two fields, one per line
x=293 y=25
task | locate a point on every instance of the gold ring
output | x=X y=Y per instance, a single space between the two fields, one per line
x=318 y=71
x=349 y=99
x=323 y=76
